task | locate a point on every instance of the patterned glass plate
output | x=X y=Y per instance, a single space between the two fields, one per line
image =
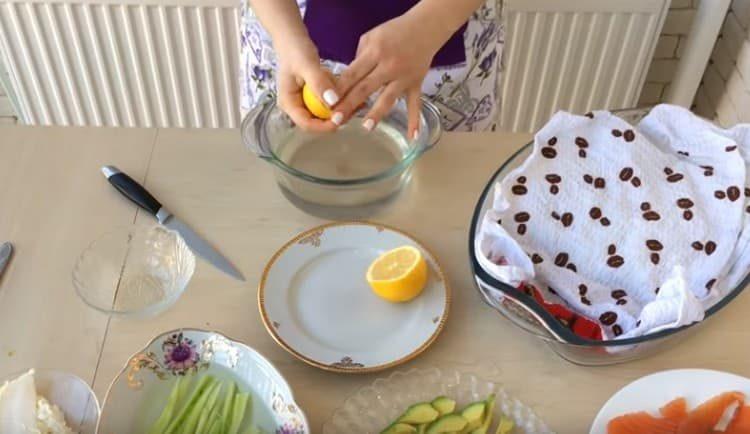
x=374 y=407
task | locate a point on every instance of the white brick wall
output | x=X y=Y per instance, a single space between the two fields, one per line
x=668 y=50
x=724 y=94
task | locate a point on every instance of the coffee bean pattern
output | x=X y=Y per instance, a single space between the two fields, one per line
x=521 y=218
x=519 y=189
x=654 y=246
x=608 y=318
x=554 y=179
x=708 y=170
x=730 y=148
x=562 y=261
x=709 y=247
x=566 y=218
x=673 y=176
x=548 y=151
x=626 y=174
x=617 y=133
x=648 y=213
x=685 y=204
x=582 y=145
x=536 y=258
x=710 y=284
x=596 y=214
x=618 y=294
x=582 y=290
x=598 y=183
x=684 y=153
x=616 y=329
x=614 y=260
x=628 y=135
x=589 y=115
x=733 y=193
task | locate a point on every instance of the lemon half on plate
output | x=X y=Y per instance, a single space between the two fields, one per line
x=398 y=275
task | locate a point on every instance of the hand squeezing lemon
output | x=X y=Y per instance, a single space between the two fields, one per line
x=398 y=275
x=313 y=104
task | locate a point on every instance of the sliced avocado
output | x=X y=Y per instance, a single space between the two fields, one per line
x=450 y=423
x=505 y=426
x=474 y=415
x=487 y=421
x=418 y=414
x=444 y=405
x=399 y=428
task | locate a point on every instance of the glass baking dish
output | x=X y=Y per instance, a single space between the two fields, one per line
x=525 y=313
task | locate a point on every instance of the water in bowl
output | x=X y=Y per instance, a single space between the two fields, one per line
x=350 y=153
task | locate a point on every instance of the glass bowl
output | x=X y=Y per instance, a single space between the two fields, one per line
x=374 y=407
x=336 y=175
x=70 y=394
x=138 y=270
x=525 y=313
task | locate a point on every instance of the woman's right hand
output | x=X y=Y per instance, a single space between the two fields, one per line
x=299 y=63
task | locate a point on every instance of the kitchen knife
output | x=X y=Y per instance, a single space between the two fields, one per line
x=141 y=197
x=6 y=249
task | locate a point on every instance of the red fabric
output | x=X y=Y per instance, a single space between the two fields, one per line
x=578 y=324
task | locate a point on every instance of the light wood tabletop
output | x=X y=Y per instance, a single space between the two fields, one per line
x=54 y=201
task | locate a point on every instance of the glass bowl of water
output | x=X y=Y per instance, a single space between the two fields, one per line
x=350 y=168
x=134 y=271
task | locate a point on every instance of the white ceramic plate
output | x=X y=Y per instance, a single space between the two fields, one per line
x=316 y=303
x=138 y=394
x=652 y=392
x=374 y=407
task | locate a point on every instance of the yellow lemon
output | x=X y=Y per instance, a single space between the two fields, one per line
x=398 y=275
x=316 y=106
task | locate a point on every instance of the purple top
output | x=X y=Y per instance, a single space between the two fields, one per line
x=336 y=25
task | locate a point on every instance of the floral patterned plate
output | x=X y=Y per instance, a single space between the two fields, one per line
x=138 y=394
x=316 y=303
x=374 y=407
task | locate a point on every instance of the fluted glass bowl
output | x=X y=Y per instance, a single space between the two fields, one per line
x=137 y=270
x=374 y=407
x=340 y=174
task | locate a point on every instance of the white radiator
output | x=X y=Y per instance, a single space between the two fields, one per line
x=97 y=62
x=122 y=64
x=575 y=55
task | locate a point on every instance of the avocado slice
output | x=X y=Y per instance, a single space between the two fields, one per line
x=450 y=423
x=444 y=405
x=399 y=428
x=505 y=426
x=474 y=415
x=418 y=414
x=487 y=421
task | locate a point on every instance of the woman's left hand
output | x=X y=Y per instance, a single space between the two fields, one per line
x=393 y=57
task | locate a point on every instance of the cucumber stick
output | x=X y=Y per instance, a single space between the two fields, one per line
x=177 y=394
x=238 y=412
x=176 y=422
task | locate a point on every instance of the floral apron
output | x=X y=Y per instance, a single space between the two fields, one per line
x=465 y=86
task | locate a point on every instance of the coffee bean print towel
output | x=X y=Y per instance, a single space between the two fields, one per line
x=638 y=228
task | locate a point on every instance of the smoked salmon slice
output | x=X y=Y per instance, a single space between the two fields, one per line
x=641 y=423
x=741 y=422
x=704 y=418
x=675 y=410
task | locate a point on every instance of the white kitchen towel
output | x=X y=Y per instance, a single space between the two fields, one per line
x=639 y=228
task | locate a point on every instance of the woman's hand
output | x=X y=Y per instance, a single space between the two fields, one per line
x=395 y=57
x=299 y=64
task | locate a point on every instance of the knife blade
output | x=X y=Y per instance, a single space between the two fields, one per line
x=137 y=194
x=6 y=249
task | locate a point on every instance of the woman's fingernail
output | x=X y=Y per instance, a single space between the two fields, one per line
x=330 y=97
x=368 y=124
x=337 y=118
x=415 y=134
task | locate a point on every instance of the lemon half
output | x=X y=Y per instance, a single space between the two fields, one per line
x=313 y=104
x=398 y=275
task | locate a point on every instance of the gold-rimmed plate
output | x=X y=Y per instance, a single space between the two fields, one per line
x=316 y=303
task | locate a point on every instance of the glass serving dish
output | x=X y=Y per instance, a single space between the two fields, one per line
x=344 y=174
x=374 y=407
x=525 y=313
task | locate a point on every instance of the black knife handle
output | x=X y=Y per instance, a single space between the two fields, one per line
x=131 y=189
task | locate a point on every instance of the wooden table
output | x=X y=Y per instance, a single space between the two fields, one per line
x=54 y=201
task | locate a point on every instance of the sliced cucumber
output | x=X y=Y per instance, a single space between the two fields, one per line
x=450 y=423
x=399 y=428
x=418 y=414
x=487 y=421
x=444 y=405
x=474 y=415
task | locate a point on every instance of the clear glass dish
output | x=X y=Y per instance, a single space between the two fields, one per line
x=523 y=311
x=138 y=270
x=374 y=407
x=70 y=394
x=342 y=174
